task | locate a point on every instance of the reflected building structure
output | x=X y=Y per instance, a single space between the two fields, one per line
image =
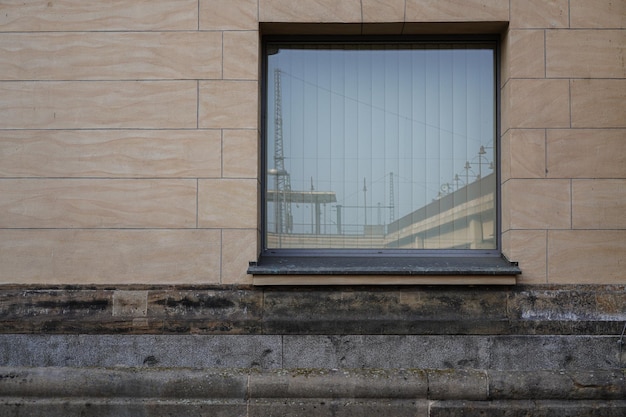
x=461 y=219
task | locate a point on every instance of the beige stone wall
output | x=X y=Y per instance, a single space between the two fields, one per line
x=129 y=132
x=128 y=149
x=564 y=140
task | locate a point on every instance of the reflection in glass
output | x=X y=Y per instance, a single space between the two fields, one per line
x=380 y=146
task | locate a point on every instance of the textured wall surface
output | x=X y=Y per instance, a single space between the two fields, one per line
x=129 y=132
x=129 y=211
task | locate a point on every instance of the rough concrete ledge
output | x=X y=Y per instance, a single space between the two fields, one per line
x=295 y=384
x=52 y=407
x=526 y=408
x=204 y=408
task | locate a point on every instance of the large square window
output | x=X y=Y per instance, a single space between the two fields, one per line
x=380 y=148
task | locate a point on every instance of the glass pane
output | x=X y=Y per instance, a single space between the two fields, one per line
x=380 y=146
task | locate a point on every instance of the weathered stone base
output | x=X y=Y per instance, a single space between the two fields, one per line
x=317 y=408
x=24 y=407
x=242 y=351
x=307 y=392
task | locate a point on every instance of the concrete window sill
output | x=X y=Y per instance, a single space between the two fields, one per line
x=391 y=270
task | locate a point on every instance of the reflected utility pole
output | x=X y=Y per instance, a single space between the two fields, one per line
x=365 y=201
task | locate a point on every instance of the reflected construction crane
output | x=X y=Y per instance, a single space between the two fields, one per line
x=282 y=179
x=282 y=195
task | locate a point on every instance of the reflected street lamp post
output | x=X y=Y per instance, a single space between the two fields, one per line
x=481 y=152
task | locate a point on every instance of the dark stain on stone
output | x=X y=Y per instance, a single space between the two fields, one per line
x=52 y=326
x=150 y=360
x=568 y=359
x=224 y=328
x=465 y=363
x=199 y=303
x=216 y=328
x=179 y=329
x=454 y=302
x=100 y=304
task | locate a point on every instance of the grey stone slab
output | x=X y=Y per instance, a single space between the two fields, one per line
x=392 y=384
x=233 y=351
x=94 y=407
x=314 y=351
x=36 y=350
x=458 y=384
x=557 y=384
x=506 y=352
x=554 y=352
x=339 y=383
x=528 y=408
x=337 y=408
x=57 y=382
x=425 y=352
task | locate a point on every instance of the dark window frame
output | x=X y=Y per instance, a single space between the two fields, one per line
x=337 y=261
